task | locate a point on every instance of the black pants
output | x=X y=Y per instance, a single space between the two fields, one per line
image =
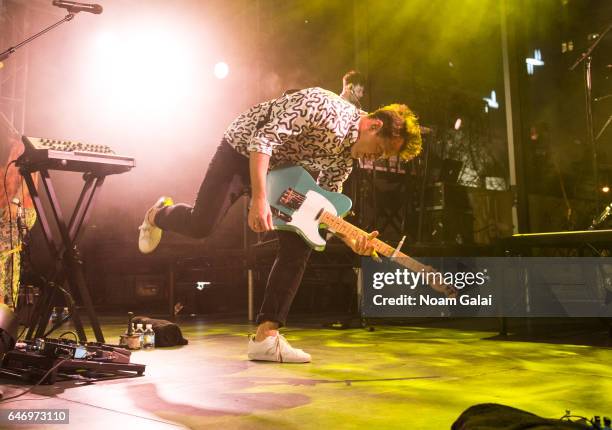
x=226 y=178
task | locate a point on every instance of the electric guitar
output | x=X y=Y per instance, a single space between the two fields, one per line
x=299 y=205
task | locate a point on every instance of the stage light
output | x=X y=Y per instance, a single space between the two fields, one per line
x=567 y=46
x=200 y=285
x=491 y=101
x=221 y=70
x=605 y=189
x=145 y=71
x=592 y=37
x=535 y=61
x=458 y=124
x=106 y=40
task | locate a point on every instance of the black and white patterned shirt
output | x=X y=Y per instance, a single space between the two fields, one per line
x=313 y=128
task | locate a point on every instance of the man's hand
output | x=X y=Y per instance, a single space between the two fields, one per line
x=260 y=215
x=363 y=245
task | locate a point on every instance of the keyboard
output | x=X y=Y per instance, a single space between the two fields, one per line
x=52 y=154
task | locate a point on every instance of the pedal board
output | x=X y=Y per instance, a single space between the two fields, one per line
x=31 y=360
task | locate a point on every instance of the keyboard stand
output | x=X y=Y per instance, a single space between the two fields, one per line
x=68 y=269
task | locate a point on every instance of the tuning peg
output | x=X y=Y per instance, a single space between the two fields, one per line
x=399 y=246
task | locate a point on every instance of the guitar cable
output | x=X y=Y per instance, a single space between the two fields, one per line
x=5 y=399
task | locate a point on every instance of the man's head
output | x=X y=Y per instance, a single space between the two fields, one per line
x=353 y=86
x=388 y=131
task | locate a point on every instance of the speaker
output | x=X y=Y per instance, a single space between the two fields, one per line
x=136 y=291
x=443 y=195
x=382 y=200
x=448 y=226
x=492 y=214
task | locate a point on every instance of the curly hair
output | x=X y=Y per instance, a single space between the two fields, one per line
x=399 y=121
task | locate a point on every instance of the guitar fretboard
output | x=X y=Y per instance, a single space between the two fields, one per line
x=348 y=230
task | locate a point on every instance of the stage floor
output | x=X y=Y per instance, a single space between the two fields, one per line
x=408 y=377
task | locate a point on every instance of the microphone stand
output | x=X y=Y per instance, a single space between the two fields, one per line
x=587 y=58
x=4 y=55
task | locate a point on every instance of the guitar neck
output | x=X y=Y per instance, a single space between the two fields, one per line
x=348 y=230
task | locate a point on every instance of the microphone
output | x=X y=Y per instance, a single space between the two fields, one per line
x=74 y=7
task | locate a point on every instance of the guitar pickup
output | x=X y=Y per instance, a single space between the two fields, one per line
x=281 y=215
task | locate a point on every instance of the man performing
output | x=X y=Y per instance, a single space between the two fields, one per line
x=312 y=128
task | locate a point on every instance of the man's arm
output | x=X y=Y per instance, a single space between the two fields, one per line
x=288 y=116
x=260 y=216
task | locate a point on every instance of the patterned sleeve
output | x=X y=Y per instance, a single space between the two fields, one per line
x=332 y=178
x=290 y=116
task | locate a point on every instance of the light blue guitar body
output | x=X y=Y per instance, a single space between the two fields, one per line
x=297 y=202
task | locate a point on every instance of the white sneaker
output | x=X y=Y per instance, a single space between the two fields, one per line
x=150 y=235
x=276 y=348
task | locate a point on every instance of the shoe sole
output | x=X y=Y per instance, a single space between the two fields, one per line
x=265 y=358
x=147 y=247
